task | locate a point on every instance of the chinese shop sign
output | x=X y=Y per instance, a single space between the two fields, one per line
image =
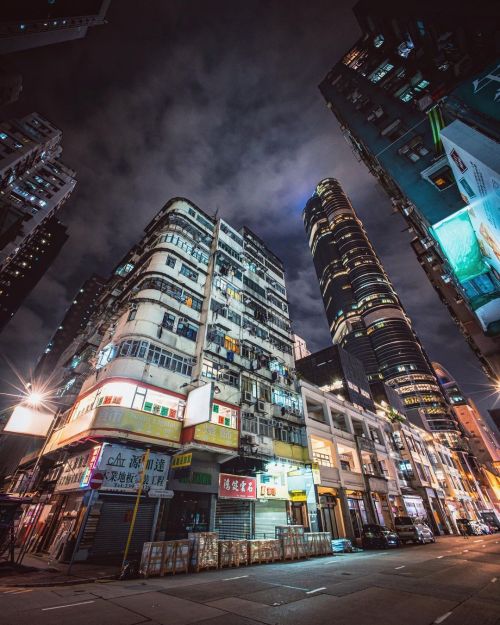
x=237 y=486
x=122 y=467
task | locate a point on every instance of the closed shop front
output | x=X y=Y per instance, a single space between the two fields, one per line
x=415 y=507
x=234 y=514
x=268 y=514
x=112 y=524
x=234 y=519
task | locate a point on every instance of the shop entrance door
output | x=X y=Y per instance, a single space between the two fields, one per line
x=298 y=513
x=328 y=520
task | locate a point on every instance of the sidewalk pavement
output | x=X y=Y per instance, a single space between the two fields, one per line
x=37 y=570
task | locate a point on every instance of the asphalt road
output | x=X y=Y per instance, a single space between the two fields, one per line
x=455 y=581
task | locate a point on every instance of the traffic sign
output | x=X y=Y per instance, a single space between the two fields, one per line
x=161 y=494
x=96 y=481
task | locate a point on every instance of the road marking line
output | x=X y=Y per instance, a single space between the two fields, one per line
x=19 y=592
x=494 y=579
x=400 y=567
x=441 y=618
x=310 y=592
x=228 y=579
x=68 y=605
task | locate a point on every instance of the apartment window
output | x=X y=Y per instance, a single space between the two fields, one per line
x=187 y=329
x=264 y=392
x=156 y=356
x=443 y=178
x=231 y=344
x=231 y=378
x=189 y=273
x=170 y=262
x=265 y=427
x=168 y=321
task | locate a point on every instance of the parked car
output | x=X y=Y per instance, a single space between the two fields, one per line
x=471 y=528
x=378 y=537
x=410 y=530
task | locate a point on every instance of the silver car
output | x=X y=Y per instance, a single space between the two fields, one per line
x=411 y=530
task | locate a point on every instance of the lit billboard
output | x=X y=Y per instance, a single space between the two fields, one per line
x=470 y=238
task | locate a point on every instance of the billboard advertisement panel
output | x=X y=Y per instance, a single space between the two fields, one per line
x=470 y=238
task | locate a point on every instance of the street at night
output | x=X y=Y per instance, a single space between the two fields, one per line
x=249 y=312
x=453 y=581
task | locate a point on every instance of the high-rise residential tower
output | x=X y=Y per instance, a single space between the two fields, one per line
x=22 y=271
x=26 y=24
x=416 y=99
x=189 y=352
x=74 y=321
x=34 y=186
x=34 y=182
x=363 y=310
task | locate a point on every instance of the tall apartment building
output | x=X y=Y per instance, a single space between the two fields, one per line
x=363 y=310
x=26 y=24
x=418 y=67
x=34 y=183
x=22 y=271
x=189 y=352
x=34 y=186
x=73 y=323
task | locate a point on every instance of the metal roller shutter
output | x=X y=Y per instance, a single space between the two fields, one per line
x=233 y=519
x=268 y=514
x=114 y=524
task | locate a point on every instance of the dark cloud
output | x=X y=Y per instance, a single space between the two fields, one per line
x=217 y=102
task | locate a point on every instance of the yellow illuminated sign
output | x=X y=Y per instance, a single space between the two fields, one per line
x=216 y=435
x=182 y=461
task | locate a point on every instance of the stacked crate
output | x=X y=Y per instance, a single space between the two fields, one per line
x=164 y=557
x=233 y=553
x=263 y=550
x=293 y=544
x=176 y=558
x=152 y=559
x=242 y=549
x=204 y=550
x=318 y=543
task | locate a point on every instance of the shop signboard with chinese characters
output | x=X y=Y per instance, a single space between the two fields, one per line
x=271 y=487
x=237 y=487
x=77 y=470
x=216 y=435
x=122 y=468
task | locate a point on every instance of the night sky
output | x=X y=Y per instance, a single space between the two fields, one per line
x=218 y=102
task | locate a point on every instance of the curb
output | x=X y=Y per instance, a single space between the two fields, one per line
x=67 y=582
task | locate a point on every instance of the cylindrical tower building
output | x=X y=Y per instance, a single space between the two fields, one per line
x=363 y=310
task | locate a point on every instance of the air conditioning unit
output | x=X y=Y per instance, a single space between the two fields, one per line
x=247 y=397
x=261 y=406
x=250 y=439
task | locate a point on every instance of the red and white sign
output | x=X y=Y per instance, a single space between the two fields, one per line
x=237 y=486
x=96 y=481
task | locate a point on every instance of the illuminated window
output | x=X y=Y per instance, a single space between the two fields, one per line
x=443 y=178
x=231 y=344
